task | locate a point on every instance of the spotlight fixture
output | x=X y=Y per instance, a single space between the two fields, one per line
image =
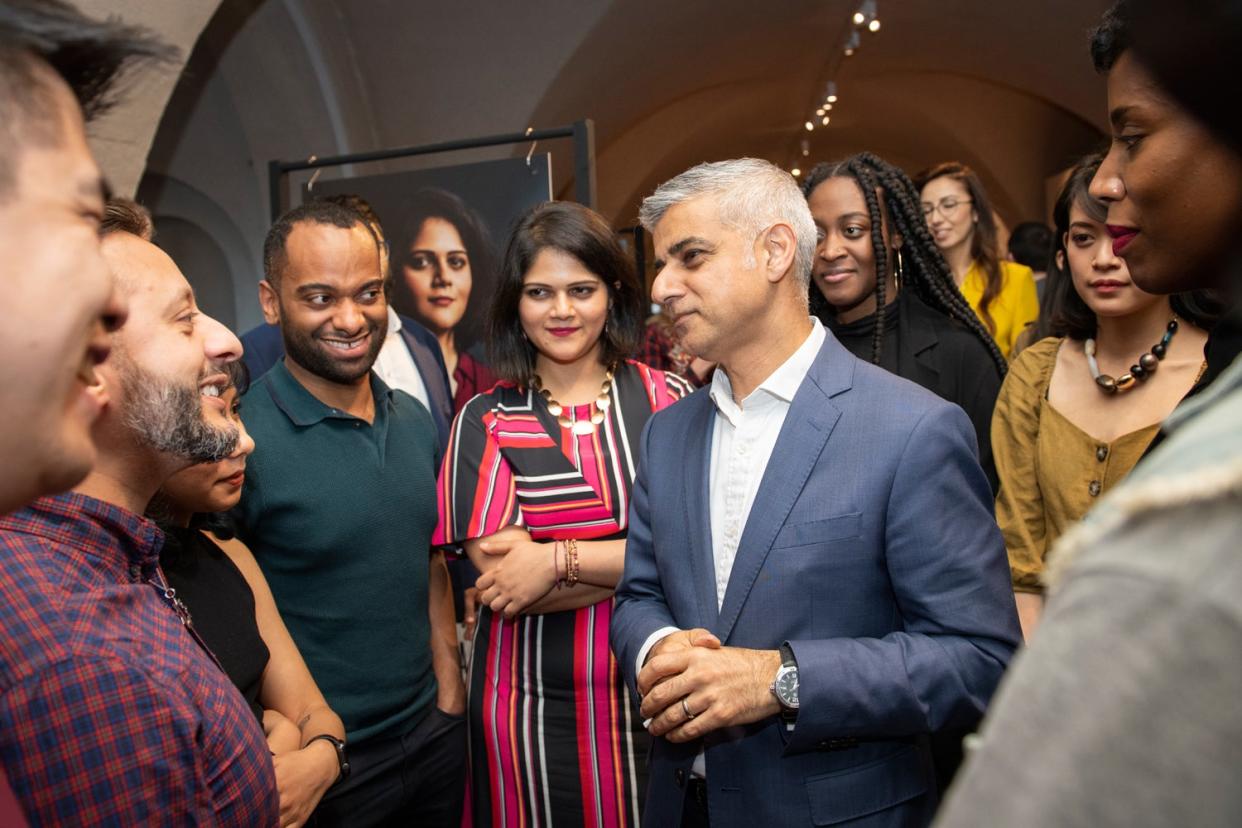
x=826 y=120
x=867 y=12
x=795 y=172
x=827 y=107
x=874 y=25
x=820 y=112
x=810 y=125
x=806 y=148
x=851 y=44
x=831 y=96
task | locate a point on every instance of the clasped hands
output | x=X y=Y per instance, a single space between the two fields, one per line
x=303 y=774
x=524 y=572
x=690 y=672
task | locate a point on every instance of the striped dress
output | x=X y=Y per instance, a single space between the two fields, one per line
x=555 y=738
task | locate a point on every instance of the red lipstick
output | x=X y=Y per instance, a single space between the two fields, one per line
x=1121 y=236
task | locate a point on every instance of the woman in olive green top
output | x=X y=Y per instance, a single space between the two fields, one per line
x=1077 y=411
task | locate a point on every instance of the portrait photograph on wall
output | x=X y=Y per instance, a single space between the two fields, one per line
x=445 y=228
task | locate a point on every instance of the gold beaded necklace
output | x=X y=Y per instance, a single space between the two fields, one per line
x=578 y=427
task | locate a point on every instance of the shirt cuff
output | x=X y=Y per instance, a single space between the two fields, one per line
x=651 y=641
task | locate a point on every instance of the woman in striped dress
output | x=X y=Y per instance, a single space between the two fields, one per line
x=536 y=487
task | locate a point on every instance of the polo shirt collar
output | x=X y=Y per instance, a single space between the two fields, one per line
x=305 y=409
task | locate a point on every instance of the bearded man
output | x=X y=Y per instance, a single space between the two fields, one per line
x=338 y=507
x=127 y=719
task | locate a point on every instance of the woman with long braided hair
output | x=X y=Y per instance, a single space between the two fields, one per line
x=883 y=288
x=959 y=214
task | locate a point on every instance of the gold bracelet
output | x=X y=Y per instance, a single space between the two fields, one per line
x=572 y=565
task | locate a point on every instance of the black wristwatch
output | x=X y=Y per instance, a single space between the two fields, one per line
x=785 y=685
x=341 y=759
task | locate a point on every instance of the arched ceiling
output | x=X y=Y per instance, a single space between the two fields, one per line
x=1005 y=86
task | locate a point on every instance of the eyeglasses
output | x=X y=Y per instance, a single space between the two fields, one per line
x=947 y=206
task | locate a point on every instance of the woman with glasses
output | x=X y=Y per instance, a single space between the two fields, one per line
x=961 y=221
x=882 y=287
x=1078 y=409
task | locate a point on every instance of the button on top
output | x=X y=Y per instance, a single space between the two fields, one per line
x=1101 y=453
x=1094 y=488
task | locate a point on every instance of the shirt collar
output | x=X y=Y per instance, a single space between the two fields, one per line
x=782 y=384
x=305 y=409
x=99 y=529
x=394 y=321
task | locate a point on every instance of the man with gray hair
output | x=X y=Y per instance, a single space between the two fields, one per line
x=813 y=579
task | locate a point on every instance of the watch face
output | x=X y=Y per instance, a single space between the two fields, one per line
x=787 y=687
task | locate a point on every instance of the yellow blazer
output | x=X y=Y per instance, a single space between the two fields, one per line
x=1016 y=306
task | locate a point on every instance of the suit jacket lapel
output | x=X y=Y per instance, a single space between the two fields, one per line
x=697 y=501
x=437 y=393
x=810 y=421
x=917 y=335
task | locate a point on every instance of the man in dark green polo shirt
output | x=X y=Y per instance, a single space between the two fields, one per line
x=338 y=507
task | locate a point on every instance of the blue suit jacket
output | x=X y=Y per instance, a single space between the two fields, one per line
x=872 y=550
x=263 y=346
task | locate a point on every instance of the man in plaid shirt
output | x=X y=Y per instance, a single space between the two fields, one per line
x=110 y=710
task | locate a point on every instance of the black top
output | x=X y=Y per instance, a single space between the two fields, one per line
x=1224 y=344
x=938 y=353
x=221 y=607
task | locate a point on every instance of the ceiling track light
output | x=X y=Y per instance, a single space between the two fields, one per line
x=830 y=95
x=867 y=11
x=806 y=148
x=810 y=125
x=852 y=43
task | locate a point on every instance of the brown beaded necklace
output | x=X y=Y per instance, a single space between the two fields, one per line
x=578 y=427
x=1139 y=371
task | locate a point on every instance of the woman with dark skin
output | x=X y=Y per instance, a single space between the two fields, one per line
x=883 y=288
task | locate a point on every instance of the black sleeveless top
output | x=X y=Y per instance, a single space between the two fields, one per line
x=221 y=606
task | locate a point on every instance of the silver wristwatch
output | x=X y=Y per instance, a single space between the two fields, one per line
x=785 y=685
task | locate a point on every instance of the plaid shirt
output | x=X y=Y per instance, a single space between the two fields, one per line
x=110 y=712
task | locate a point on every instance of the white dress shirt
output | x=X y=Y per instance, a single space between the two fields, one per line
x=743 y=438
x=395 y=364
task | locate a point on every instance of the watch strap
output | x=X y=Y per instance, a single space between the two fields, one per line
x=788 y=715
x=342 y=760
